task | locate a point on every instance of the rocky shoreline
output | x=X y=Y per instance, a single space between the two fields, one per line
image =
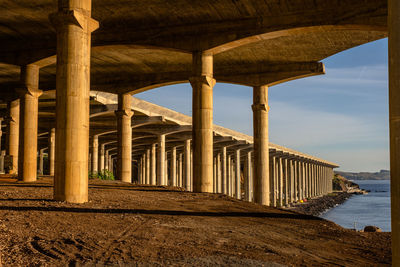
x=344 y=189
x=316 y=206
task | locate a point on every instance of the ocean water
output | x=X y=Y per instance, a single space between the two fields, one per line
x=361 y=210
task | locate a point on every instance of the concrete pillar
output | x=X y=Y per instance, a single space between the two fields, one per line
x=1 y=132
x=219 y=174
x=166 y=177
x=229 y=176
x=1 y=151
x=280 y=181
x=180 y=170
x=248 y=177
x=298 y=180
x=161 y=160
x=102 y=152
x=238 y=193
x=191 y=172
x=51 y=150
x=90 y=162
x=12 y=138
x=272 y=176
x=187 y=169
x=303 y=179
x=215 y=175
x=292 y=186
x=224 y=172
x=2 y=155
x=41 y=158
x=286 y=181
x=173 y=167
x=261 y=143
x=28 y=123
x=153 y=166
x=202 y=83
x=95 y=154
x=73 y=25
x=148 y=166
x=140 y=169
x=124 y=128
x=106 y=160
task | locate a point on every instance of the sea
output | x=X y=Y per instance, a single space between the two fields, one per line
x=362 y=210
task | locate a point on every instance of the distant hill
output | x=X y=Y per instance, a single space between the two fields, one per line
x=382 y=175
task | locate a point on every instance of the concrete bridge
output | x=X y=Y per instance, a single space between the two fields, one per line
x=162 y=152
x=125 y=47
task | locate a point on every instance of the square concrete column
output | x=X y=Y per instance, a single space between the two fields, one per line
x=292 y=186
x=238 y=192
x=173 y=167
x=124 y=128
x=202 y=82
x=148 y=166
x=153 y=166
x=261 y=146
x=191 y=172
x=28 y=123
x=2 y=155
x=272 y=177
x=229 y=176
x=224 y=173
x=12 y=137
x=41 y=158
x=247 y=177
x=161 y=160
x=214 y=174
x=95 y=154
x=180 y=170
x=187 y=167
x=280 y=181
x=286 y=179
x=219 y=174
x=106 y=160
x=298 y=180
x=74 y=26
x=51 y=150
x=166 y=176
x=102 y=152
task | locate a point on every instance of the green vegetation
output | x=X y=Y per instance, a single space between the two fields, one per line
x=102 y=175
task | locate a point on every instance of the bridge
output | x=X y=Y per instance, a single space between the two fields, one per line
x=69 y=50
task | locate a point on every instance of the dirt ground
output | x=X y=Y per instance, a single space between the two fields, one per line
x=124 y=224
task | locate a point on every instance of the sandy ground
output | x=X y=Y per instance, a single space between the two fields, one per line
x=132 y=225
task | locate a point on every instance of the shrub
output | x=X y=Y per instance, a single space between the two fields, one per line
x=106 y=175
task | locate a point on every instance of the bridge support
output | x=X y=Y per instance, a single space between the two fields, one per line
x=124 y=125
x=29 y=100
x=51 y=150
x=202 y=83
x=161 y=160
x=261 y=146
x=187 y=169
x=74 y=26
x=95 y=153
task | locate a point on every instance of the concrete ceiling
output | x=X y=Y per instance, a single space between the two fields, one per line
x=145 y=44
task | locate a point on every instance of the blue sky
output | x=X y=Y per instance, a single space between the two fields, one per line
x=341 y=116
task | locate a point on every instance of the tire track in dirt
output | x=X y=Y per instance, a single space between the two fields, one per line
x=106 y=253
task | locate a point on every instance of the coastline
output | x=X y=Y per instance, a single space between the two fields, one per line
x=317 y=206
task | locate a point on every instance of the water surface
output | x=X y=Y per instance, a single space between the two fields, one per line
x=362 y=210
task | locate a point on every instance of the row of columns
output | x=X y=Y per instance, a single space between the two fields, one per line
x=174 y=167
x=74 y=25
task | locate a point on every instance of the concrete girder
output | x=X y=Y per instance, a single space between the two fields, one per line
x=216 y=35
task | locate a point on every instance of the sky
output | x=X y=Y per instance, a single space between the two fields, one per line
x=341 y=116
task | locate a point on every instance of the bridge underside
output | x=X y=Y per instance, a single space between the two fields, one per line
x=52 y=56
